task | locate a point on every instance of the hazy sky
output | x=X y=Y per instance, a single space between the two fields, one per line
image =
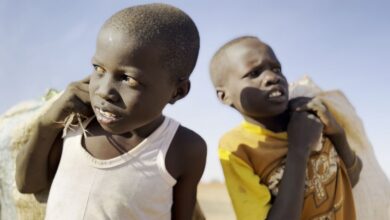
x=343 y=44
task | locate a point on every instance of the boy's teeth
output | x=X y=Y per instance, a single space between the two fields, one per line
x=107 y=114
x=275 y=94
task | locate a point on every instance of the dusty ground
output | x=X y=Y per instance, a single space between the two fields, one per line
x=214 y=201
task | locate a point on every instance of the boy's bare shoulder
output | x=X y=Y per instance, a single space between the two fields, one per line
x=190 y=142
x=187 y=153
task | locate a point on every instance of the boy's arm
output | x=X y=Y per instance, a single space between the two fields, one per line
x=189 y=161
x=304 y=131
x=337 y=135
x=289 y=201
x=352 y=162
x=250 y=199
x=37 y=161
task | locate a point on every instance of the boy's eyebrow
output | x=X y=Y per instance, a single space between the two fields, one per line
x=260 y=64
x=274 y=63
x=127 y=69
x=254 y=64
x=130 y=70
x=266 y=60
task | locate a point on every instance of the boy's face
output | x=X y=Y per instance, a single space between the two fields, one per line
x=254 y=83
x=129 y=86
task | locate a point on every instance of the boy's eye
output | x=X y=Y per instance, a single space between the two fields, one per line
x=277 y=70
x=131 y=81
x=98 y=69
x=254 y=73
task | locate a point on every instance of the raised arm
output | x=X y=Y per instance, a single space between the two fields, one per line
x=304 y=131
x=352 y=162
x=336 y=134
x=33 y=170
x=37 y=161
x=252 y=200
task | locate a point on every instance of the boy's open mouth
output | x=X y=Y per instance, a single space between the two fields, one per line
x=277 y=94
x=106 y=116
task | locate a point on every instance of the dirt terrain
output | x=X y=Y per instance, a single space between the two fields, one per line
x=214 y=201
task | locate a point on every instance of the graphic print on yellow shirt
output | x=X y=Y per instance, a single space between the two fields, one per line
x=328 y=193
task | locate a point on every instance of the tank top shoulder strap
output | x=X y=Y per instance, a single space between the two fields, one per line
x=171 y=129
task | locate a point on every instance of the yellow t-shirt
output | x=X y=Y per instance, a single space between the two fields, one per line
x=253 y=160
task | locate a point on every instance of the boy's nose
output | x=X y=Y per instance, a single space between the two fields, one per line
x=106 y=89
x=271 y=79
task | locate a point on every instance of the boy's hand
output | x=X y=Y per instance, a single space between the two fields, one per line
x=315 y=105
x=304 y=132
x=75 y=99
x=298 y=102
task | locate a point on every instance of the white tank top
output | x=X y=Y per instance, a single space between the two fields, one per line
x=134 y=185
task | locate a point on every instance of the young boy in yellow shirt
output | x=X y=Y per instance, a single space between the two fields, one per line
x=288 y=159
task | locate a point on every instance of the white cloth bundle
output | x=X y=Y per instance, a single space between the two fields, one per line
x=372 y=193
x=15 y=127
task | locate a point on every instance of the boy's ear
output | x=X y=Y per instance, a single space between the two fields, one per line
x=224 y=97
x=182 y=89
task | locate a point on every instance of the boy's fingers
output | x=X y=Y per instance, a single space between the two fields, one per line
x=301 y=109
x=83 y=87
x=84 y=97
x=320 y=110
x=296 y=103
x=82 y=92
x=314 y=117
x=316 y=110
x=304 y=108
x=317 y=105
x=84 y=109
x=314 y=105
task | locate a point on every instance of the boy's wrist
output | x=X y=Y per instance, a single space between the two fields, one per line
x=353 y=165
x=48 y=123
x=339 y=139
x=354 y=170
x=299 y=154
x=339 y=134
x=52 y=119
x=341 y=144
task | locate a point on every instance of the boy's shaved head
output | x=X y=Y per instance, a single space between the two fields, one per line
x=219 y=61
x=248 y=77
x=162 y=26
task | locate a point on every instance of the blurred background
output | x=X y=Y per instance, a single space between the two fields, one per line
x=340 y=44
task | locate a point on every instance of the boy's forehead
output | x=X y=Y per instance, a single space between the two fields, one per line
x=113 y=42
x=248 y=49
x=248 y=53
x=119 y=50
x=114 y=38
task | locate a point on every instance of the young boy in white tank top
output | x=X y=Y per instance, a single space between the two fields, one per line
x=133 y=162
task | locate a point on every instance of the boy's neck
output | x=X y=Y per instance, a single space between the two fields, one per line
x=138 y=133
x=145 y=130
x=277 y=123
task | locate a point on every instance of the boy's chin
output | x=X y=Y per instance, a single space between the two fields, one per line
x=110 y=127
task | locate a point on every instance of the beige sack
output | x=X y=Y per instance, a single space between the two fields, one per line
x=372 y=193
x=15 y=127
